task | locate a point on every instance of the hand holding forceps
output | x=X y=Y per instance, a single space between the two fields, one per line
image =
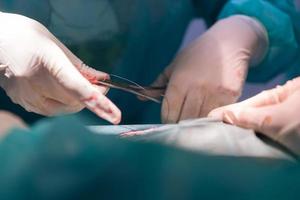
x=134 y=88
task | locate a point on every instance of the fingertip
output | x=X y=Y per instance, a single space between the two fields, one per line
x=216 y=114
x=224 y=114
x=229 y=117
x=113 y=117
x=104 y=76
x=117 y=118
x=92 y=74
x=103 y=107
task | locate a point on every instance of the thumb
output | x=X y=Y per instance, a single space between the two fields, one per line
x=259 y=119
x=68 y=76
x=261 y=100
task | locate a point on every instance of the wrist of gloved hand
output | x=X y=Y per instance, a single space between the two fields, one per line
x=262 y=40
x=245 y=33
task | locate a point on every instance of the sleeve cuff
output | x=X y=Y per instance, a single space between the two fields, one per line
x=283 y=46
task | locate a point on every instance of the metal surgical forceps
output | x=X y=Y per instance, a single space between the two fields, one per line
x=133 y=88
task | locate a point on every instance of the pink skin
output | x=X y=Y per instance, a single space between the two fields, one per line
x=137 y=133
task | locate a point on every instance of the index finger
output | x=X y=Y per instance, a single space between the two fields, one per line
x=67 y=75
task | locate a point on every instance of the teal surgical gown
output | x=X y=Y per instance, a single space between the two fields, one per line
x=51 y=163
x=137 y=39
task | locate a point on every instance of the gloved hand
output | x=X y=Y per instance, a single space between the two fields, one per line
x=42 y=75
x=274 y=113
x=211 y=72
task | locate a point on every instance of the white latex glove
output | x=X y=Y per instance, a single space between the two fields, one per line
x=275 y=113
x=43 y=76
x=211 y=72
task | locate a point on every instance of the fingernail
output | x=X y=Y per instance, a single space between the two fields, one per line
x=229 y=117
x=113 y=117
x=116 y=119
